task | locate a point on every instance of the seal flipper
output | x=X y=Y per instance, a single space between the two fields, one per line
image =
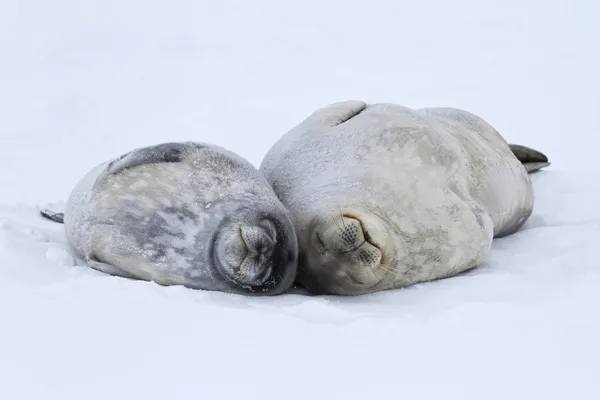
x=162 y=153
x=53 y=216
x=531 y=159
x=108 y=269
x=337 y=113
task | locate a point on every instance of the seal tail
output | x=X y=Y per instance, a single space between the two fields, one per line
x=531 y=159
x=53 y=216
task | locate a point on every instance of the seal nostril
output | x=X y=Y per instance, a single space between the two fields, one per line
x=270 y=228
x=367 y=236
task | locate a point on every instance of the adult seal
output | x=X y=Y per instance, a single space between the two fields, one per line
x=384 y=196
x=190 y=214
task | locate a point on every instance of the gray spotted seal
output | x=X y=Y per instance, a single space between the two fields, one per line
x=190 y=214
x=384 y=196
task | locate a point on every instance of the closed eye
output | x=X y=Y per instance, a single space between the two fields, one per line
x=319 y=239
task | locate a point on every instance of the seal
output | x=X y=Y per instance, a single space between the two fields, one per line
x=182 y=213
x=384 y=196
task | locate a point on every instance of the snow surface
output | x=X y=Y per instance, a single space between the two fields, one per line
x=84 y=81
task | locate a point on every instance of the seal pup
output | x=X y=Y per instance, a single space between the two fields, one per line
x=384 y=196
x=182 y=213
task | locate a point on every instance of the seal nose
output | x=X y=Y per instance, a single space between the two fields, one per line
x=344 y=235
x=259 y=242
x=256 y=254
x=346 y=252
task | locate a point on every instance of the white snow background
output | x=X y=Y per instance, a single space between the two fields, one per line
x=83 y=81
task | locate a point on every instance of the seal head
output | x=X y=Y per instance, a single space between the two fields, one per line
x=346 y=253
x=255 y=252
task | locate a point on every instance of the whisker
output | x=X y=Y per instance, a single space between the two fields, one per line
x=389 y=269
x=386 y=269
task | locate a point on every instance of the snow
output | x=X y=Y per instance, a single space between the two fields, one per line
x=85 y=81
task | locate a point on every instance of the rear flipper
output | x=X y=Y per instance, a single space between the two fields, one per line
x=531 y=159
x=53 y=216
